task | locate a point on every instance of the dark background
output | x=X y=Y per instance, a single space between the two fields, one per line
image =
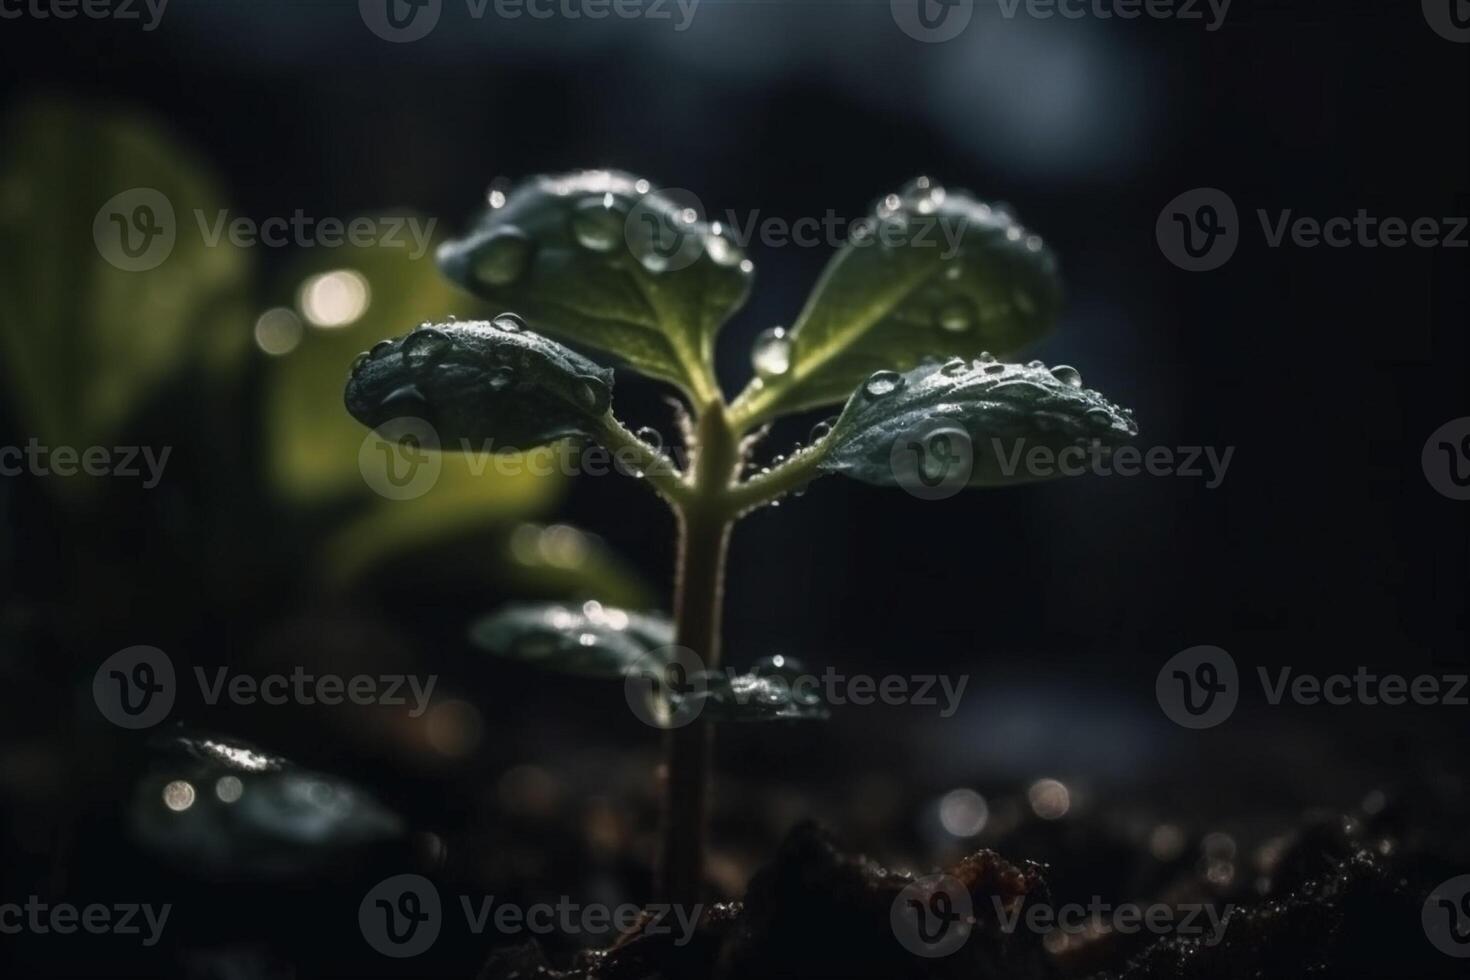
x=1326 y=369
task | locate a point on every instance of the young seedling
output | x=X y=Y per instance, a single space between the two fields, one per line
x=904 y=327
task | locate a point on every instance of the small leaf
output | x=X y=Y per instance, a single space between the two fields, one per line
x=767 y=693
x=929 y=273
x=991 y=415
x=482 y=386
x=591 y=640
x=602 y=259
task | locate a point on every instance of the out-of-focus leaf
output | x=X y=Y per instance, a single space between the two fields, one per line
x=561 y=560
x=481 y=386
x=986 y=416
x=931 y=273
x=590 y=640
x=223 y=806
x=775 y=689
x=602 y=259
x=109 y=287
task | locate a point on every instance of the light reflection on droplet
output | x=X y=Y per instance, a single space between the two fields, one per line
x=334 y=299
x=963 y=812
x=278 y=331
x=229 y=788
x=178 y=795
x=1049 y=799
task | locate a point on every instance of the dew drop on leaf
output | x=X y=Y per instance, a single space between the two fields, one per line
x=1067 y=375
x=651 y=436
x=424 y=347
x=595 y=395
x=821 y=429
x=771 y=355
x=882 y=383
x=508 y=322
x=954 y=367
x=504 y=257
x=597 y=222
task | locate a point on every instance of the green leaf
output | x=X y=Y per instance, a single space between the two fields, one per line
x=481 y=386
x=590 y=640
x=87 y=331
x=944 y=425
x=603 y=260
x=929 y=274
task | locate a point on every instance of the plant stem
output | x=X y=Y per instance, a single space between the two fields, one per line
x=657 y=468
x=704 y=533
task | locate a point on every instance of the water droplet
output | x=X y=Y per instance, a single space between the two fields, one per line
x=986 y=357
x=651 y=436
x=923 y=195
x=359 y=361
x=1035 y=364
x=956 y=316
x=509 y=322
x=953 y=273
x=1014 y=233
x=405 y=401
x=1067 y=375
x=425 y=347
x=771 y=355
x=503 y=257
x=500 y=377
x=1033 y=243
x=890 y=204
x=1100 y=417
x=993 y=368
x=722 y=250
x=882 y=383
x=954 y=367
x=777 y=460
x=746 y=267
x=597 y=222
x=595 y=395
x=821 y=430
x=380 y=347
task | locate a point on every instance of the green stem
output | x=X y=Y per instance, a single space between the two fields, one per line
x=795 y=472
x=634 y=453
x=704 y=533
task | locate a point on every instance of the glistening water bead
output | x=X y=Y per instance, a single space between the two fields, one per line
x=882 y=383
x=771 y=355
x=597 y=222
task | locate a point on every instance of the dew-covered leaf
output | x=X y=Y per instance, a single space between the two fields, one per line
x=602 y=259
x=481 y=386
x=225 y=807
x=590 y=640
x=972 y=422
x=775 y=689
x=931 y=273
